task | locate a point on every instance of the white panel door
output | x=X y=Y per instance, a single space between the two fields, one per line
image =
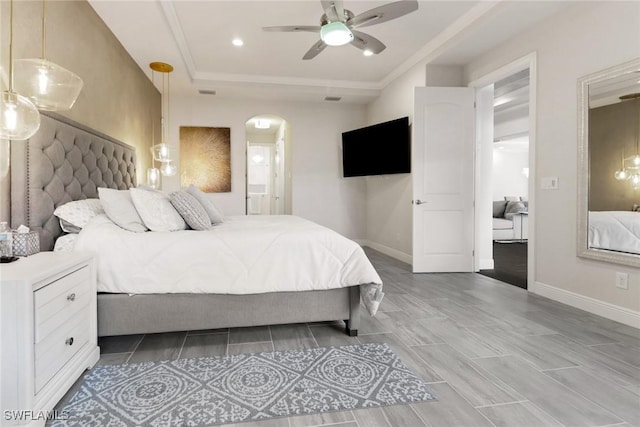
x=443 y=179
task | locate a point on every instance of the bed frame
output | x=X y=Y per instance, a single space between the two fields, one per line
x=65 y=161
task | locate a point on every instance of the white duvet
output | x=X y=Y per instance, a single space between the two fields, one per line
x=615 y=231
x=243 y=255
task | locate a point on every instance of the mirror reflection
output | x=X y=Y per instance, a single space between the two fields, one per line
x=614 y=164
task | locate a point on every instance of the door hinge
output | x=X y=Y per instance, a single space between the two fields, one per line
x=473 y=253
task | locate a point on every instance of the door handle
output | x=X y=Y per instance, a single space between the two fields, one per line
x=418 y=202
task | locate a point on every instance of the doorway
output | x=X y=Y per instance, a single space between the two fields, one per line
x=268 y=176
x=505 y=172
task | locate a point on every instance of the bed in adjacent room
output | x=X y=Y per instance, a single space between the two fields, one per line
x=615 y=231
x=246 y=271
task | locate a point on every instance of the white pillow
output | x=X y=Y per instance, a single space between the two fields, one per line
x=118 y=206
x=156 y=210
x=75 y=215
x=215 y=215
x=65 y=243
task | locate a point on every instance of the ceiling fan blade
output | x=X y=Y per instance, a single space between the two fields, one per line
x=315 y=50
x=384 y=13
x=334 y=10
x=294 y=28
x=366 y=42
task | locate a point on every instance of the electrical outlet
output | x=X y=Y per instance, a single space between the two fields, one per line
x=622 y=280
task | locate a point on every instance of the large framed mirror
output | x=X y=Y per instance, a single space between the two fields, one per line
x=609 y=165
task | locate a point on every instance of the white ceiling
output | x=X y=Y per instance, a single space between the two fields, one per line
x=195 y=37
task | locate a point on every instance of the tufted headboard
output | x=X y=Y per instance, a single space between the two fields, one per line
x=64 y=161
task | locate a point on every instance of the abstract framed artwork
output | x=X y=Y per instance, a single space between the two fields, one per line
x=205 y=158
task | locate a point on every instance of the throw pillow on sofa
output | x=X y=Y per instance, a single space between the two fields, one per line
x=499 y=208
x=513 y=208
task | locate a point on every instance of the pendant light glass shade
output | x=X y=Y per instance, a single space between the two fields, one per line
x=49 y=86
x=161 y=153
x=19 y=118
x=153 y=178
x=168 y=169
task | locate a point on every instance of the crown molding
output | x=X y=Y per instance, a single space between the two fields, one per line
x=437 y=45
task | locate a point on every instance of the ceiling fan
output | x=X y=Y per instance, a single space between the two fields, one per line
x=337 y=26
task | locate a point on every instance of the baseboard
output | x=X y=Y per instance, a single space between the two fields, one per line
x=393 y=253
x=486 y=264
x=591 y=305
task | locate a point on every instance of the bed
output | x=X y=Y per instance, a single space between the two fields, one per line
x=615 y=231
x=66 y=161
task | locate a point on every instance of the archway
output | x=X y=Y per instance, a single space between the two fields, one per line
x=268 y=151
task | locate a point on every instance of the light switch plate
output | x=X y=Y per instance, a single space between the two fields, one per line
x=549 y=183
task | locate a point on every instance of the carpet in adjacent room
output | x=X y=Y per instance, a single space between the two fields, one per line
x=510 y=263
x=244 y=387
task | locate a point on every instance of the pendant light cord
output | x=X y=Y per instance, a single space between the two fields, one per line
x=168 y=101
x=164 y=136
x=638 y=126
x=11 y=46
x=153 y=128
x=43 y=28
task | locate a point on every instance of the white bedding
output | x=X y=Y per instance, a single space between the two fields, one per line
x=615 y=231
x=243 y=255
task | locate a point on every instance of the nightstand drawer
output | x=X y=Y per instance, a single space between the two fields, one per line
x=57 y=348
x=57 y=302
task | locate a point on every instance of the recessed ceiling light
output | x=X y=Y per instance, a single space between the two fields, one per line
x=262 y=124
x=367 y=52
x=237 y=42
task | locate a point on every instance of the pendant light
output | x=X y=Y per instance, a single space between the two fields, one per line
x=630 y=168
x=19 y=118
x=153 y=173
x=162 y=152
x=48 y=85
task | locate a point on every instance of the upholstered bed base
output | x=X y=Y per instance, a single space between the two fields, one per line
x=65 y=161
x=121 y=314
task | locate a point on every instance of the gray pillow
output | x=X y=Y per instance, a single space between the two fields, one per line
x=513 y=208
x=191 y=210
x=215 y=216
x=498 y=208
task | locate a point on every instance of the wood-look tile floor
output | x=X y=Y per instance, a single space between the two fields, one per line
x=494 y=354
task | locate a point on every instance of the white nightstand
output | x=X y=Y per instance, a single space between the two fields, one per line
x=49 y=331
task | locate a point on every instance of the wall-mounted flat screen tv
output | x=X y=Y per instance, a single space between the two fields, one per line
x=380 y=149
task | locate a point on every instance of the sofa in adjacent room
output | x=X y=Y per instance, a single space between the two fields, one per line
x=510 y=219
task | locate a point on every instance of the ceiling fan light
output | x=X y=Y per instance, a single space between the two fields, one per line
x=367 y=52
x=336 y=34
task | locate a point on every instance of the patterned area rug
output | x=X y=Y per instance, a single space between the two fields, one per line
x=244 y=387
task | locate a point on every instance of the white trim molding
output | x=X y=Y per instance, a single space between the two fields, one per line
x=393 y=253
x=486 y=264
x=591 y=305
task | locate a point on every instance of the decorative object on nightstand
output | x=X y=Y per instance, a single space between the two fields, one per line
x=48 y=314
x=6 y=243
x=25 y=242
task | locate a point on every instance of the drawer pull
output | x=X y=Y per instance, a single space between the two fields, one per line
x=71 y=297
x=69 y=341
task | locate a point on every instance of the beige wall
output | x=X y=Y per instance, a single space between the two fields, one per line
x=613 y=130
x=319 y=192
x=583 y=39
x=118 y=98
